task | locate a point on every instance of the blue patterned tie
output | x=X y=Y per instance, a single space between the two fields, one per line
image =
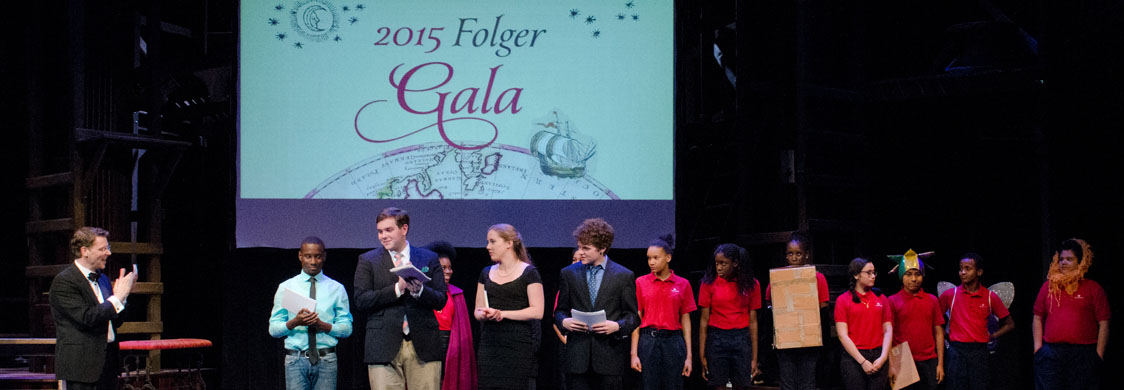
x=594 y=282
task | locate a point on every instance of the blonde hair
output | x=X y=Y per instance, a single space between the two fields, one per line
x=508 y=232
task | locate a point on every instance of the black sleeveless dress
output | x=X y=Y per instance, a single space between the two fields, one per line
x=506 y=357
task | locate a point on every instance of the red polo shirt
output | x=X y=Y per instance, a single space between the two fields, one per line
x=864 y=319
x=821 y=288
x=914 y=319
x=968 y=322
x=1072 y=319
x=728 y=308
x=662 y=302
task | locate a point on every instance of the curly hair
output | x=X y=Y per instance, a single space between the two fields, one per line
x=84 y=237
x=596 y=232
x=743 y=270
x=1069 y=281
x=443 y=249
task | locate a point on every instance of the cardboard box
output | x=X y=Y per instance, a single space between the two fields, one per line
x=901 y=361
x=796 y=307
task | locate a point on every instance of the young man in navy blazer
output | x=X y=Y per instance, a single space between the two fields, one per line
x=596 y=354
x=403 y=348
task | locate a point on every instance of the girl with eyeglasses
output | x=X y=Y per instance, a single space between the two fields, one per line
x=863 y=321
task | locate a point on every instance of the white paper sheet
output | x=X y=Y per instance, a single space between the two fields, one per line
x=294 y=302
x=589 y=319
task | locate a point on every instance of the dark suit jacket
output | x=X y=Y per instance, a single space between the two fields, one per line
x=80 y=325
x=603 y=354
x=374 y=294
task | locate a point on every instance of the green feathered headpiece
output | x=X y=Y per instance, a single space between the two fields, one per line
x=909 y=260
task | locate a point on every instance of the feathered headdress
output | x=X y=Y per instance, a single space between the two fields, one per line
x=1069 y=281
x=909 y=260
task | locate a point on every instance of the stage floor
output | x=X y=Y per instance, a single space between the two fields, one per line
x=20 y=378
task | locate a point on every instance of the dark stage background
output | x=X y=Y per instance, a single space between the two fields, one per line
x=878 y=126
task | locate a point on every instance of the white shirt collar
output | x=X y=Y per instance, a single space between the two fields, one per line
x=85 y=271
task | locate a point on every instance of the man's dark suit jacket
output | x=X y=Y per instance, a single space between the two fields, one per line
x=604 y=354
x=80 y=325
x=374 y=294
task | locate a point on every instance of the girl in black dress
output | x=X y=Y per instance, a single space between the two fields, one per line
x=509 y=303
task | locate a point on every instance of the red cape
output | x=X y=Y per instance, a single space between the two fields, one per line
x=460 y=361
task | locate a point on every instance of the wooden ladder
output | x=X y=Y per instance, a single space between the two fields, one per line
x=90 y=165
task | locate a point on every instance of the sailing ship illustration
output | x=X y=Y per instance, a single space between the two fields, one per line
x=561 y=150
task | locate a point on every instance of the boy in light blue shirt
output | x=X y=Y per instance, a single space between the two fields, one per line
x=311 y=336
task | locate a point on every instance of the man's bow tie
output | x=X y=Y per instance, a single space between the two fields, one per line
x=93 y=276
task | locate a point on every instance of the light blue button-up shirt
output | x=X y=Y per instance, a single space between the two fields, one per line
x=332 y=306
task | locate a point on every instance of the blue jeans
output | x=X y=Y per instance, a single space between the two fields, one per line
x=302 y=375
x=1067 y=366
x=967 y=366
x=661 y=354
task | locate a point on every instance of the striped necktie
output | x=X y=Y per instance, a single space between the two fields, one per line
x=398 y=261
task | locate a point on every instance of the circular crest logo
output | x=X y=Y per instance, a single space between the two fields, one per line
x=316 y=20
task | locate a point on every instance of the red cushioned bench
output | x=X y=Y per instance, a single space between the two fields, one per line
x=148 y=345
x=136 y=350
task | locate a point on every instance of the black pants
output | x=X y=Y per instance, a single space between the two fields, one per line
x=854 y=378
x=797 y=368
x=444 y=334
x=592 y=381
x=927 y=371
x=967 y=366
x=661 y=354
x=559 y=369
x=727 y=356
x=1067 y=366
x=109 y=373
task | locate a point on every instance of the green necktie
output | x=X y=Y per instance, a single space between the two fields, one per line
x=313 y=353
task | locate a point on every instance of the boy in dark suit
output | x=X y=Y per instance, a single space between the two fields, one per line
x=403 y=347
x=596 y=354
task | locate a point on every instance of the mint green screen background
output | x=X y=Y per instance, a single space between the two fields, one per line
x=308 y=67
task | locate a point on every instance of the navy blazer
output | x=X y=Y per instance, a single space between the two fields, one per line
x=603 y=354
x=374 y=294
x=81 y=325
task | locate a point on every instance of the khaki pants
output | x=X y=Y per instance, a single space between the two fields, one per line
x=405 y=369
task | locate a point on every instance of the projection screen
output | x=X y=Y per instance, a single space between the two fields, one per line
x=465 y=113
